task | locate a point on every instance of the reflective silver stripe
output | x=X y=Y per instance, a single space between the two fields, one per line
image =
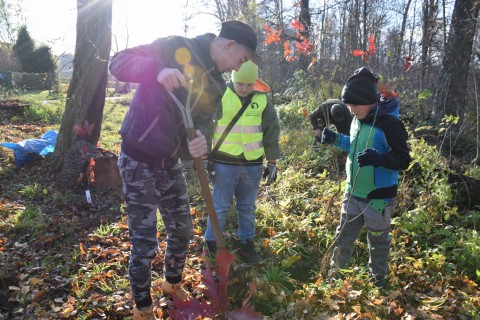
x=247 y=147
x=240 y=129
x=253 y=145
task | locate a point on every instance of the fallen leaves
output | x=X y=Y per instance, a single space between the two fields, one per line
x=70 y=270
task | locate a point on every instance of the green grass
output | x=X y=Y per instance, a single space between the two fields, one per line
x=105 y=230
x=33 y=192
x=43 y=107
x=29 y=221
x=114 y=112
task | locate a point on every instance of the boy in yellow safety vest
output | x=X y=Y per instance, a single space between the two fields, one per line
x=238 y=161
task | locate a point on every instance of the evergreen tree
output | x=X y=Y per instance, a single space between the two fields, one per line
x=32 y=59
x=42 y=61
x=23 y=48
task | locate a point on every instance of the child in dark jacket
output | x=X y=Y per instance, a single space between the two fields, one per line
x=331 y=112
x=377 y=151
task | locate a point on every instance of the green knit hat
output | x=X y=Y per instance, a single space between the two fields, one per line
x=248 y=73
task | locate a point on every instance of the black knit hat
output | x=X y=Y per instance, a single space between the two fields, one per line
x=243 y=34
x=338 y=112
x=361 y=88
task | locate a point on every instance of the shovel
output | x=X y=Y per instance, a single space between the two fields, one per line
x=202 y=176
x=223 y=258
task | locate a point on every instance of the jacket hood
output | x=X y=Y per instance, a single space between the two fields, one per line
x=386 y=107
x=261 y=86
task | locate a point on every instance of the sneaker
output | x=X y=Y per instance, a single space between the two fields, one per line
x=247 y=252
x=146 y=314
x=210 y=248
x=175 y=290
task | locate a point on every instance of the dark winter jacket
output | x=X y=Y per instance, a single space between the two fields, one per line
x=383 y=131
x=153 y=127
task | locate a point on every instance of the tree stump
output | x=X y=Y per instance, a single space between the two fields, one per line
x=77 y=158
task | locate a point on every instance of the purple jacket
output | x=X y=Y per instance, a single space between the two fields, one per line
x=153 y=127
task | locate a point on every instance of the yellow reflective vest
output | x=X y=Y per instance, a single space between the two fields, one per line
x=246 y=136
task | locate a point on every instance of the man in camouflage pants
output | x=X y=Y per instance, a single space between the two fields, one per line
x=145 y=189
x=154 y=138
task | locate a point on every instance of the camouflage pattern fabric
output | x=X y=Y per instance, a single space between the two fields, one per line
x=148 y=188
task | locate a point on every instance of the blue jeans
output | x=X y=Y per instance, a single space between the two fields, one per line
x=241 y=181
x=357 y=213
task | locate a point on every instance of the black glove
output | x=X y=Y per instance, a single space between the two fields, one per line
x=328 y=136
x=270 y=173
x=370 y=157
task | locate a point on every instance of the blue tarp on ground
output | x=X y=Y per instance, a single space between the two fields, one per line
x=30 y=149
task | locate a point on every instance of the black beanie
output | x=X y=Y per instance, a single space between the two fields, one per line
x=338 y=112
x=361 y=88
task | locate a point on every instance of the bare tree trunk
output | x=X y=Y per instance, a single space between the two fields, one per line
x=87 y=89
x=444 y=15
x=410 y=43
x=364 y=37
x=352 y=36
x=322 y=36
x=450 y=98
x=305 y=19
x=343 y=45
x=425 y=36
x=401 y=36
x=430 y=30
x=477 y=158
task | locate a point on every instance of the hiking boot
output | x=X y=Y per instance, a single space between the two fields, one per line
x=210 y=248
x=332 y=276
x=175 y=290
x=379 y=282
x=247 y=252
x=146 y=314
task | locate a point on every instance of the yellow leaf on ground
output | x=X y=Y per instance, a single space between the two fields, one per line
x=357 y=309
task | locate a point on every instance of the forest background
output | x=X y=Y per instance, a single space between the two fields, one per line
x=63 y=257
